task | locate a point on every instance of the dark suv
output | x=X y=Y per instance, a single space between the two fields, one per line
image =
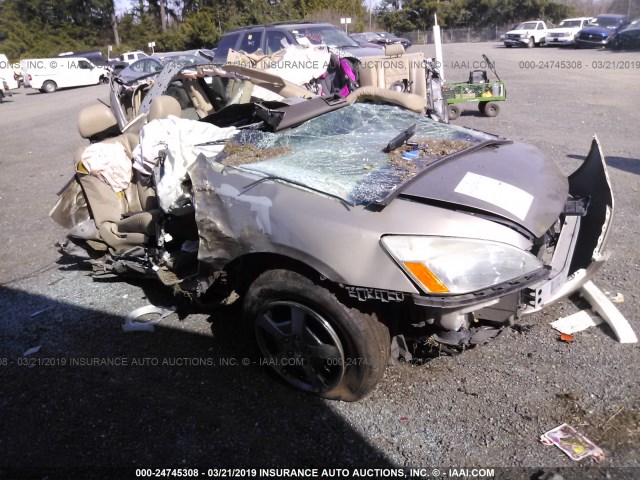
x=273 y=37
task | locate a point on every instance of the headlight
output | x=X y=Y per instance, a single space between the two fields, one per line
x=453 y=265
x=524 y=35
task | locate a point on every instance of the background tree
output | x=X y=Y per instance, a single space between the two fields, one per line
x=47 y=27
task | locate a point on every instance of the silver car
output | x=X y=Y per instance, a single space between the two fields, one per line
x=341 y=224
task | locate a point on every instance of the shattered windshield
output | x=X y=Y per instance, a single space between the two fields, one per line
x=341 y=153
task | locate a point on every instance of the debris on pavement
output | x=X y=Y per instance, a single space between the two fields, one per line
x=576 y=322
x=572 y=442
x=399 y=350
x=609 y=313
x=567 y=337
x=32 y=350
x=35 y=314
x=615 y=298
x=132 y=324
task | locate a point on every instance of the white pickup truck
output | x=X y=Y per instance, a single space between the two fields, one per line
x=566 y=31
x=527 y=34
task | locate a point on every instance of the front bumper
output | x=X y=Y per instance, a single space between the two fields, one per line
x=559 y=40
x=580 y=251
x=591 y=43
x=516 y=43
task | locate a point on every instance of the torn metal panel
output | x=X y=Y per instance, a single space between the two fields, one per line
x=71 y=208
x=591 y=180
x=585 y=245
x=219 y=242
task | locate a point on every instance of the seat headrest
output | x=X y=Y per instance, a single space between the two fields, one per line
x=162 y=107
x=392 y=49
x=95 y=120
x=410 y=101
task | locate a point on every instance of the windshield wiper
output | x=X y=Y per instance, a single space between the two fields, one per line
x=399 y=140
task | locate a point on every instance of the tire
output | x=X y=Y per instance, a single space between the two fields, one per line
x=311 y=340
x=49 y=87
x=454 y=112
x=508 y=46
x=531 y=43
x=481 y=106
x=491 y=109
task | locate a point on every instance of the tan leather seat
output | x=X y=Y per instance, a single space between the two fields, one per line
x=395 y=67
x=125 y=220
x=162 y=107
x=409 y=101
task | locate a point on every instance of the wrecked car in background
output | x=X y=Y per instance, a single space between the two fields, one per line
x=338 y=222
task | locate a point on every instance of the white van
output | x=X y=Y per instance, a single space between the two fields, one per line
x=50 y=74
x=7 y=71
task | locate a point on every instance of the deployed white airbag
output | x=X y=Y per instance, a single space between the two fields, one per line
x=183 y=141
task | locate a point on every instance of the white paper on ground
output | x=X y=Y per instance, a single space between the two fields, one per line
x=131 y=324
x=576 y=322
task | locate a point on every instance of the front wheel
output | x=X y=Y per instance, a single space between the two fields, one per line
x=313 y=341
x=531 y=43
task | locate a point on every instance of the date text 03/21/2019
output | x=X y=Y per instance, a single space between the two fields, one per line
x=579 y=64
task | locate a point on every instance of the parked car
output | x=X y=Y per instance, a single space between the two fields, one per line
x=152 y=65
x=335 y=233
x=599 y=30
x=369 y=39
x=565 y=33
x=627 y=38
x=391 y=38
x=527 y=34
x=274 y=37
x=50 y=74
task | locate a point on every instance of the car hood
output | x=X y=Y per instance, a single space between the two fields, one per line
x=604 y=31
x=514 y=181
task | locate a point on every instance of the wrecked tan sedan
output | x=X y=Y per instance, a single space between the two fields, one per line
x=340 y=223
